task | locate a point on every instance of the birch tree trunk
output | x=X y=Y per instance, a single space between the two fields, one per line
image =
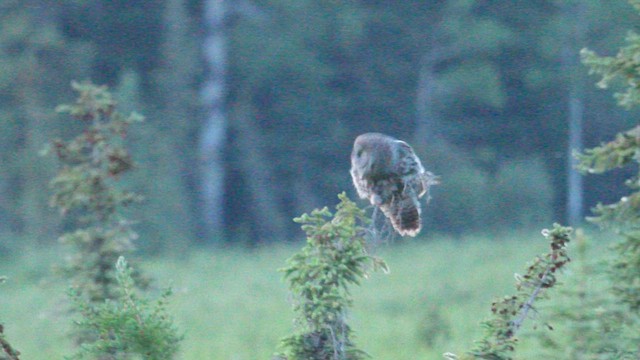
x=213 y=131
x=574 y=13
x=575 y=186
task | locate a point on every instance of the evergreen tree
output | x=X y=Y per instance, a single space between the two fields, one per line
x=115 y=323
x=127 y=326
x=608 y=327
x=621 y=152
x=85 y=191
x=587 y=321
x=333 y=259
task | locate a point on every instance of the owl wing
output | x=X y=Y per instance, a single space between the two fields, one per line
x=411 y=170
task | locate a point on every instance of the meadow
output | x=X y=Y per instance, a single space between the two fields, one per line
x=231 y=303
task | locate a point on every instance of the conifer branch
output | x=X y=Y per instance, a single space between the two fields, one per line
x=528 y=305
x=510 y=312
x=8 y=352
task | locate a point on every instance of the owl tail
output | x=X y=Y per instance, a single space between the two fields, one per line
x=404 y=213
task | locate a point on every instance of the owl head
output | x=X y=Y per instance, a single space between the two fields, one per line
x=371 y=152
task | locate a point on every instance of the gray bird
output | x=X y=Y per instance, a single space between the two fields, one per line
x=388 y=173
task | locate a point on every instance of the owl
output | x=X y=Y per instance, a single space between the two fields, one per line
x=388 y=173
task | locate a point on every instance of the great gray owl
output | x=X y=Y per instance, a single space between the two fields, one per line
x=388 y=173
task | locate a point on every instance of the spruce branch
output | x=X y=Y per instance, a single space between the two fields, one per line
x=510 y=312
x=528 y=305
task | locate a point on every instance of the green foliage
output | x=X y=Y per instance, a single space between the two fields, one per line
x=622 y=68
x=510 y=312
x=36 y=65
x=333 y=259
x=126 y=327
x=85 y=190
x=602 y=326
x=493 y=193
x=587 y=320
x=623 y=215
x=482 y=69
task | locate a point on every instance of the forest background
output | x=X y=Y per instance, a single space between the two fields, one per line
x=251 y=107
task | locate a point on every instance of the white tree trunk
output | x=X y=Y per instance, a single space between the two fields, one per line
x=574 y=13
x=213 y=132
x=575 y=191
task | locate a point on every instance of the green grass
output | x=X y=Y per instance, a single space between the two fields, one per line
x=232 y=304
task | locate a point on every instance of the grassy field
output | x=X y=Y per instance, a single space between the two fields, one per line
x=232 y=303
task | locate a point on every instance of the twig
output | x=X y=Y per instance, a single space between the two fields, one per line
x=528 y=305
x=9 y=351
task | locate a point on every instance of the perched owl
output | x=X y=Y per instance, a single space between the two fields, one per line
x=388 y=173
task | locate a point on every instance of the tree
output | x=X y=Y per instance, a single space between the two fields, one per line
x=623 y=214
x=320 y=275
x=85 y=191
x=455 y=65
x=575 y=14
x=127 y=325
x=174 y=121
x=213 y=132
x=609 y=327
